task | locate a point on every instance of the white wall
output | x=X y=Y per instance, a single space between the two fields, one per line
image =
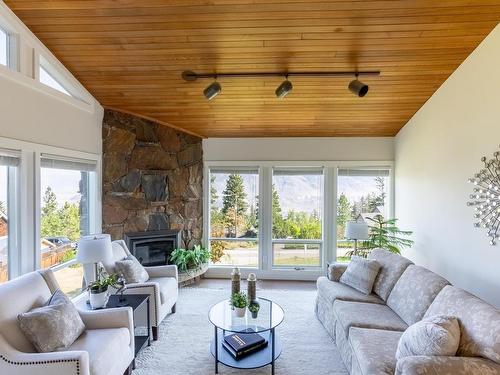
x=436 y=152
x=298 y=149
x=33 y=112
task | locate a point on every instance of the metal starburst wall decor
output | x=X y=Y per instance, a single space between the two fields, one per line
x=486 y=197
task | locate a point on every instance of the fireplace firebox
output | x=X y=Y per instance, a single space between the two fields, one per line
x=153 y=248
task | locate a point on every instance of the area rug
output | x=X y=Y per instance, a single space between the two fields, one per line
x=184 y=338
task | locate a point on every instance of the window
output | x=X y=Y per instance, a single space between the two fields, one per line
x=362 y=194
x=47 y=79
x=297 y=217
x=67 y=191
x=8 y=216
x=4 y=47
x=234 y=217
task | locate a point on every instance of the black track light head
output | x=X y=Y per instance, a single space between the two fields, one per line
x=284 y=89
x=212 y=90
x=358 y=88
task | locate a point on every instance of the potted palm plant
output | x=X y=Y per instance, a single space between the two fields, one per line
x=239 y=303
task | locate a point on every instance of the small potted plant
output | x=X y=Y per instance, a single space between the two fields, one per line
x=239 y=302
x=98 y=290
x=254 y=308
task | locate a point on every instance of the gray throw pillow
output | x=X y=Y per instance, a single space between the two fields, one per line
x=360 y=274
x=437 y=335
x=131 y=270
x=54 y=326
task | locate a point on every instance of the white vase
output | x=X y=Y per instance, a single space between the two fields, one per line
x=240 y=311
x=98 y=300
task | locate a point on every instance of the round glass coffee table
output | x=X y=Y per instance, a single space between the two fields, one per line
x=225 y=321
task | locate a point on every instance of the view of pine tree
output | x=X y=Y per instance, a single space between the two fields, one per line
x=234 y=196
x=213 y=192
x=64 y=221
x=3 y=208
x=234 y=203
x=344 y=213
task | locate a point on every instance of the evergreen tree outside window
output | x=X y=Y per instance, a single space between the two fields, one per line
x=64 y=217
x=234 y=225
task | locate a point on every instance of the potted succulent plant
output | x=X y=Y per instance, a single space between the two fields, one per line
x=254 y=308
x=239 y=303
x=98 y=290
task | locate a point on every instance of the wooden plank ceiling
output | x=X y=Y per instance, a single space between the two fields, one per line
x=130 y=54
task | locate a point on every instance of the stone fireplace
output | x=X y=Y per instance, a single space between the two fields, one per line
x=153 y=248
x=152 y=181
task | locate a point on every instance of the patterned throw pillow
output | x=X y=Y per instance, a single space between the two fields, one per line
x=360 y=274
x=437 y=335
x=132 y=270
x=54 y=326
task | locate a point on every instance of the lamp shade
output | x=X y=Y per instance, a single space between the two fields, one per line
x=356 y=231
x=94 y=249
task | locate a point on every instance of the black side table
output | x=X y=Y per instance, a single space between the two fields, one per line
x=140 y=307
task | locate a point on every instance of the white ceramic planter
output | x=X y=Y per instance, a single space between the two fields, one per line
x=240 y=311
x=98 y=300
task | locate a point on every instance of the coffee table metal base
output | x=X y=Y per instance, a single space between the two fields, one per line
x=263 y=357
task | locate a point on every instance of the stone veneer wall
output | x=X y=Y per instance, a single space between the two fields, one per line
x=152 y=178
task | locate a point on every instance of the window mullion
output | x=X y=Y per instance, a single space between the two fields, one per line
x=265 y=218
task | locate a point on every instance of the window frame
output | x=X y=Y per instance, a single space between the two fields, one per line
x=12 y=47
x=317 y=241
x=28 y=198
x=209 y=238
x=330 y=182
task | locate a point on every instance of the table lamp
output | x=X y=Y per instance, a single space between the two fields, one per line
x=94 y=249
x=356 y=231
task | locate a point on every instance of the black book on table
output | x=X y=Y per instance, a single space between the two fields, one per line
x=242 y=342
x=244 y=353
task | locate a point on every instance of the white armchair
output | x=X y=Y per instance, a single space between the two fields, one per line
x=105 y=348
x=162 y=286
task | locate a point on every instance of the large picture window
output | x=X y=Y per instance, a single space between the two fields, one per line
x=66 y=196
x=297 y=217
x=363 y=193
x=8 y=215
x=234 y=217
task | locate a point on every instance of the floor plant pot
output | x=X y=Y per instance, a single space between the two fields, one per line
x=240 y=311
x=98 y=299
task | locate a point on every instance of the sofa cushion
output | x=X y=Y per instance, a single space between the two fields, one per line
x=132 y=270
x=119 y=253
x=56 y=325
x=434 y=335
x=441 y=365
x=332 y=290
x=104 y=362
x=373 y=351
x=360 y=274
x=168 y=288
x=335 y=270
x=479 y=322
x=414 y=292
x=366 y=315
x=392 y=267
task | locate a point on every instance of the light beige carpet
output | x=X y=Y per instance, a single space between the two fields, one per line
x=183 y=346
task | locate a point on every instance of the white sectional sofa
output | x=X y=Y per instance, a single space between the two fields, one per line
x=367 y=328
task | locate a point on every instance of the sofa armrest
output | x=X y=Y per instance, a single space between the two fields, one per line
x=438 y=365
x=163 y=271
x=153 y=289
x=13 y=362
x=335 y=270
x=119 y=317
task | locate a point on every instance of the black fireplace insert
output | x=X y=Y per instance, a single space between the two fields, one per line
x=153 y=248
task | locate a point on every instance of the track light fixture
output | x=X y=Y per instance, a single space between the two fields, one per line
x=358 y=88
x=284 y=89
x=212 y=90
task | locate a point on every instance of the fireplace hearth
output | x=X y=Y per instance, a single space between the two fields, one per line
x=153 y=248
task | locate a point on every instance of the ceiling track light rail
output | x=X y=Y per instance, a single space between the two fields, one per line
x=189 y=75
x=357 y=87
